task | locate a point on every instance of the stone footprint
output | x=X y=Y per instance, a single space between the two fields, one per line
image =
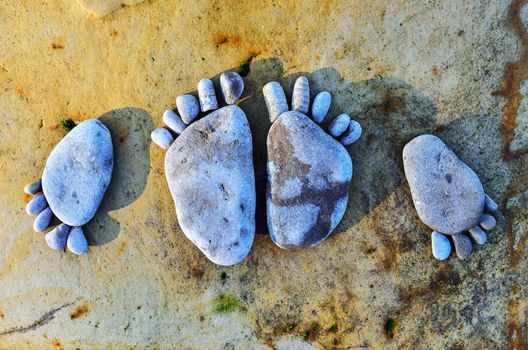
x=309 y=171
x=77 y=174
x=209 y=170
x=448 y=196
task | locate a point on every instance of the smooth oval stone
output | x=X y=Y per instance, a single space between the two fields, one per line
x=78 y=172
x=441 y=246
x=173 y=121
x=43 y=220
x=447 y=194
x=301 y=95
x=209 y=170
x=232 y=86
x=206 y=95
x=463 y=246
x=36 y=205
x=307 y=194
x=76 y=241
x=162 y=137
x=56 y=238
x=188 y=107
x=320 y=106
x=478 y=235
x=488 y=222
x=352 y=133
x=34 y=187
x=339 y=125
x=275 y=99
x=490 y=204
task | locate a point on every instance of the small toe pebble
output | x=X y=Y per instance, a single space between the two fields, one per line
x=173 y=121
x=76 y=241
x=463 y=246
x=36 y=205
x=162 y=137
x=352 y=134
x=488 y=222
x=43 y=220
x=34 y=187
x=320 y=106
x=478 y=235
x=56 y=239
x=189 y=107
x=232 y=86
x=441 y=246
x=339 y=125
x=206 y=95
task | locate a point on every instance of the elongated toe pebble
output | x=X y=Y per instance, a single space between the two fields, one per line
x=76 y=241
x=320 y=106
x=463 y=246
x=162 y=137
x=478 y=235
x=352 y=133
x=173 y=121
x=232 y=86
x=36 y=205
x=207 y=95
x=56 y=239
x=301 y=95
x=209 y=170
x=188 y=107
x=43 y=220
x=488 y=222
x=78 y=172
x=339 y=125
x=490 y=204
x=275 y=99
x=440 y=245
x=307 y=194
x=34 y=187
x=447 y=194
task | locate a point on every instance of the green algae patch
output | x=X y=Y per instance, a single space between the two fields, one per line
x=225 y=303
x=390 y=327
x=244 y=68
x=67 y=124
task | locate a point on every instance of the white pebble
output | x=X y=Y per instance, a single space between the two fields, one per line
x=188 y=107
x=301 y=95
x=56 y=238
x=339 y=125
x=352 y=133
x=43 y=220
x=477 y=235
x=490 y=204
x=232 y=86
x=441 y=246
x=34 y=187
x=275 y=99
x=206 y=95
x=36 y=205
x=76 y=242
x=173 y=121
x=162 y=137
x=488 y=222
x=320 y=106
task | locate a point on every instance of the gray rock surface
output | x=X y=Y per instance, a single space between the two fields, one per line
x=78 y=172
x=209 y=170
x=307 y=193
x=447 y=194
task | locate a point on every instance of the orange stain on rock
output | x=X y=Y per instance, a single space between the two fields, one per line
x=79 y=312
x=227 y=39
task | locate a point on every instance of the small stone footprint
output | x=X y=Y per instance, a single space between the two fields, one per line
x=448 y=196
x=309 y=172
x=77 y=174
x=209 y=170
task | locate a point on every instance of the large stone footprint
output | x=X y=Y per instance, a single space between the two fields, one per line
x=448 y=196
x=209 y=169
x=309 y=172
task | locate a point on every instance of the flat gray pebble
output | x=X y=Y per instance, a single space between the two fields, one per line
x=339 y=125
x=441 y=246
x=301 y=95
x=275 y=99
x=209 y=170
x=36 y=205
x=320 y=106
x=447 y=194
x=207 y=95
x=78 y=172
x=307 y=192
x=56 y=238
x=76 y=241
x=43 y=220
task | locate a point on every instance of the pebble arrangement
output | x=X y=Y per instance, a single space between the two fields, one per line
x=210 y=174
x=209 y=169
x=76 y=176
x=309 y=172
x=448 y=196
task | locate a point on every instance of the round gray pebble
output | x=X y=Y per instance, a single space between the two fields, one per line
x=162 y=137
x=34 y=187
x=173 y=121
x=463 y=246
x=56 y=238
x=76 y=242
x=320 y=106
x=441 y=246
x=478 y=235
x=188 y=107
x=339 y=125
x=43 y=220
x=36 y=205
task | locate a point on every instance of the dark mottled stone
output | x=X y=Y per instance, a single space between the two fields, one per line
x=309 y=176
x=210 y=174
